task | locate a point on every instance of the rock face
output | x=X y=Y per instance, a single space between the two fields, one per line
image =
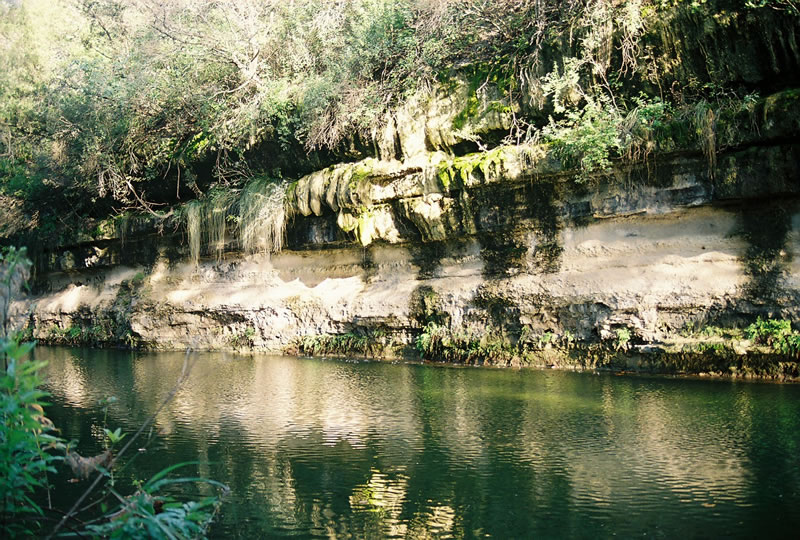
x=506 y=250
x=496 y=247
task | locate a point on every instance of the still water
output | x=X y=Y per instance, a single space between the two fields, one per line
x=330 y=448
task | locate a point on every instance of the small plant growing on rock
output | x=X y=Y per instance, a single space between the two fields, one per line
x=137 y=280
x=768 y=331
x=243 y=339
x=777 y=334
x=622 y=339
x=546 y=339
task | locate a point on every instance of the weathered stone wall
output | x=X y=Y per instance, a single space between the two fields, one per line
x=514 y=259
x=500 y=247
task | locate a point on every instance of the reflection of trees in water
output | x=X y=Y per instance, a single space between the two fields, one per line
x=73 y=385
x=324 y=477
x=79 y=382
x=774 y=421
x=373 y=450
x=620 y=442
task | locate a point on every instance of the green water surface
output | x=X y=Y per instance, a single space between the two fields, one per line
x=332 y=448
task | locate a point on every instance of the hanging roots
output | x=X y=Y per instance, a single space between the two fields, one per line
x=263 y=215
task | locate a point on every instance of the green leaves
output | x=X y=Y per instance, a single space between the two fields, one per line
x=622 y=339
x=24 y=439
x=114 y=436
x=149 y=514
x=25 y=460
x=587 y=138
x=28 y=453
x=144 y=516
x=777 y=334
x=19 y=350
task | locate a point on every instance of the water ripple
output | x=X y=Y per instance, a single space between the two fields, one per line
x=317 y=448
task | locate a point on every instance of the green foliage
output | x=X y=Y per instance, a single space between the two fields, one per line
x=716 y=349
x=26 y=442
x=348 y=344
x=548 y=338
x=789 y=345
x=622 y=339
x=590 y=137
x=107 y=104
x=711 y=331
x=344 y=344
x=77 y=334
x=152 y=513
x=113 y=436
x=427 y=340
x=18 y=180
x=139 y=92
x=777 y=334
x=587 y=138
x=437 y=342
x=426 y=306
x=487 y=166
x=137 y=280
x=28 y=452
x=768 y=331
x=693 y=5
x=148 y=517
x=243 y=339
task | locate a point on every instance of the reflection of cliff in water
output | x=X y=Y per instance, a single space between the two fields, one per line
x=371 y=449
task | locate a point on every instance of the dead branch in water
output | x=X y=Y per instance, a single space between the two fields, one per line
x=83 y=467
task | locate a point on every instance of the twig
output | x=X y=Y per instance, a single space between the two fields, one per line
x=147 y=205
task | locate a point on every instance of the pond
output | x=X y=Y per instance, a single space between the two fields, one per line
x=332 y=448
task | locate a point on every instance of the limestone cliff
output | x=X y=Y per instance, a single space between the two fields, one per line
x=500 y=245
x=503 y=250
